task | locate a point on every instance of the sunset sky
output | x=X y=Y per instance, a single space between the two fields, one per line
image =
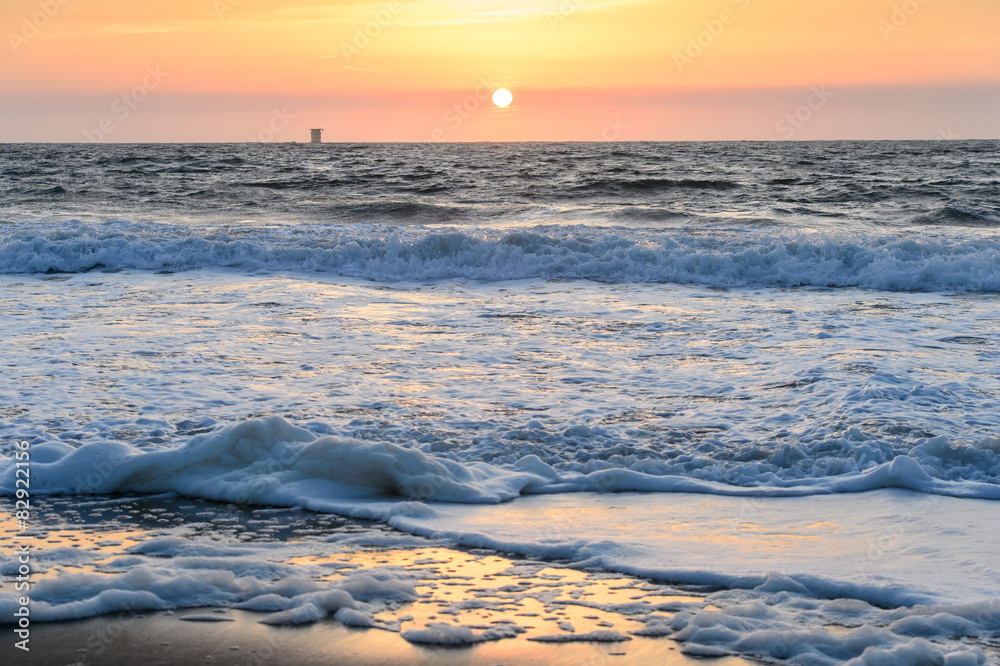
x=421 y=70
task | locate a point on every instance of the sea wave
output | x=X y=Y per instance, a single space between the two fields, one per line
x=723 y=257
x=270 y=461
x=959 y=216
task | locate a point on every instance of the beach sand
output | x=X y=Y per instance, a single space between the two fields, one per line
x=161 y=639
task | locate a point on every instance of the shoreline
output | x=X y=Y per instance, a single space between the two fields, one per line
x=164 y=639
x=256 y=585
x=496 y=608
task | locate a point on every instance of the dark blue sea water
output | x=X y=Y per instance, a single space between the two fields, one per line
x=883 y=215
x=826 y=185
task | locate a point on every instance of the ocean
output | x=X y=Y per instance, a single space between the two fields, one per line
x=765 y=371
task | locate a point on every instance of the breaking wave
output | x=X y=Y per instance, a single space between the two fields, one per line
x=376 y=252
x=270 y=461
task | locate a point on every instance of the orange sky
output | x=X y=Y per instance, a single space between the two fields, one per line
x=234 y=70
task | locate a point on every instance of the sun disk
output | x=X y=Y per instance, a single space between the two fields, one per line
x=502 y=97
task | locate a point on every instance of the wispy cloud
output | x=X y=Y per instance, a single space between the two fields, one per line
x=444 y=12
x=145 y=28
x=582 y=85
x=361 y=69
x=414 y=13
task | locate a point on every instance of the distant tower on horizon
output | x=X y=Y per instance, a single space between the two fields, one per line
x=317 y=135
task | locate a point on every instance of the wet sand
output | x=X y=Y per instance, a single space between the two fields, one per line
x=551 y=609
x=158 y=639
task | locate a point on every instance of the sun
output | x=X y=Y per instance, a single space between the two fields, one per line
x=502 y=97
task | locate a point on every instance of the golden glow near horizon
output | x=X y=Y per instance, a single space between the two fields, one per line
x=394 y=68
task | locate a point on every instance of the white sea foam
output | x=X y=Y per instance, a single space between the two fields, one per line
x=442 y=633
x=623 y=387
x=269 y=461
x=722 y=258
x=288 y=600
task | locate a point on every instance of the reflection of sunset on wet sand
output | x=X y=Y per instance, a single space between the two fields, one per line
x=496 y=607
